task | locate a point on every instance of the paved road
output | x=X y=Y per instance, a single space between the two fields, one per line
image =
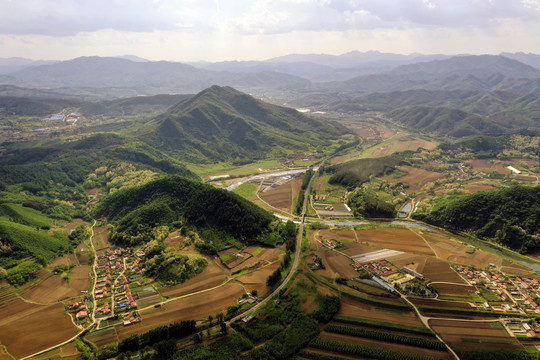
x=294 y=266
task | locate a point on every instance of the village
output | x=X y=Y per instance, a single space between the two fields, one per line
x=116 y=271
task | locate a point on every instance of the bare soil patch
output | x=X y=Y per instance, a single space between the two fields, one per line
x=257 y=279
x=70 y=226
x=83 y=254
x=280 y=197
x=103 y=337
x=357 y=309
x=101 y=237
x=416 y=178
x=441 y=303
x=337 y=234
x=404 y=144
x=196 y=307
x=174 y=239
x=400 y=239
x=44 y=328
x=50 y=290
x=462 y=334
x=79 y=278
x=457 y=289
x=210 y=277
x=439 y=271
x=385 y=345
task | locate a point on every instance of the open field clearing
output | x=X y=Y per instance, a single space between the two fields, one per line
x=50 y=290
x=357 y=309
x=338 y=234
x=487 y=165
x=29 y=333
x=280 y=197
x=68 y=260
x=196 y=307
x=101 y=237
x=3 y=354
x=271 y=254
x=103 y=337
x=402 y=144
x=479 y=185
x=400 y=239
x=211 y=276
x=83 y=254
x=439 y=271
x=450 y=249
x=512 y=268
x=174 y=239
x=69 y=226
x=336 y=264
x=474 y=335
x=441 y=303
x=456 y=289
x=257 y=279
x=416 y=178
x=354 y=249
x=385 y=345
x=79 y=278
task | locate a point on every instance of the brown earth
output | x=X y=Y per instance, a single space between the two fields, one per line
x=196 y=307
x=79 y=278
x=454 y=331
x=257 y=279
x=445 y=288
x=403 y=144
x=280 y=197
x=103 y=337
x=439 y=271
x=357 y=309
x=416 y=178
x=101 y=237
x=73 y=225
x=385 y=345
x=68 y=260
x=336 y=234
x=83 y=254
x=441 y=303
x=174 y=239
x=50 y=290
x=210 y=277
x=336 y=264
x=28 y=333
x=400 y=239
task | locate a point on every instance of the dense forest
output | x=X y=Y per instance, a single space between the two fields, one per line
x=356 y=172
x=367 y=204
x=510 y=216
x=215 y=214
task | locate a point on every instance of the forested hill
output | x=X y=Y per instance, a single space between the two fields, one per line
x=217 y=215
x=509 y=216
x=221 y=123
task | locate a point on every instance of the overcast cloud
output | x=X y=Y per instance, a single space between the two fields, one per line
x=241 y=29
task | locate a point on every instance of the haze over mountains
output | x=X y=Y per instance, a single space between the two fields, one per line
x=439 y=94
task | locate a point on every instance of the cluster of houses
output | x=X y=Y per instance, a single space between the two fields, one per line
x=80 y=309
x=320 y=197
x=331 y=244
x=382 y=268
x=515 y=293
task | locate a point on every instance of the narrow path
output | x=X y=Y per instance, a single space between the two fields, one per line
x=425 y=321
x=294 y=266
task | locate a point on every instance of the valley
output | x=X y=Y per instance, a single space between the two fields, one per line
x=382 y=216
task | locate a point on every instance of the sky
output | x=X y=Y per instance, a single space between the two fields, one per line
x=223 y=30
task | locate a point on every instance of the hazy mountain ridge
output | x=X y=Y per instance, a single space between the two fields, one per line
x=144 y=77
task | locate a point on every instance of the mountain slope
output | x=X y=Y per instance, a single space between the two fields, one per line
x=445 y=121
x=221 y=123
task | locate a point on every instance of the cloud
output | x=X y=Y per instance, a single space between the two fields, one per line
x=69 y=17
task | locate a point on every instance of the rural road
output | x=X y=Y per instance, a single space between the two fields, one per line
x=294 y=266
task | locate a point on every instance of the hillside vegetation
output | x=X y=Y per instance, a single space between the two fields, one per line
x=356 y=172
x=221 y=123
x=510 y=216
x=220 y=217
